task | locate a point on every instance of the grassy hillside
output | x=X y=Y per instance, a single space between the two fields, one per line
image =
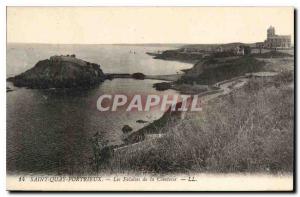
x=249 y=130
x=272 y=54
x=219 y=69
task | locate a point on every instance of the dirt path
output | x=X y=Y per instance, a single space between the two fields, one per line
x=228 y=86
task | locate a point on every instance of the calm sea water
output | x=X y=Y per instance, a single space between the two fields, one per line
x=112 y=58
x=48 y=131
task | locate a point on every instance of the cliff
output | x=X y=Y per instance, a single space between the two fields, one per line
x=211 y=70
x=178 y=55
x=60 y=72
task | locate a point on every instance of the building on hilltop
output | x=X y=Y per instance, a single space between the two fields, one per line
x=274 y=41
x=68 y=58
x=237 y=50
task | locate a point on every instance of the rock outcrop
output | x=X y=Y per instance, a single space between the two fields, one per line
x=162 y=86
x=139 y=76
x=141 y=121
x=60 y=72
x=126 y=129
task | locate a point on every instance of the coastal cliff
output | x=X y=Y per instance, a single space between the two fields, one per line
x=60 y=72
x=211 y=70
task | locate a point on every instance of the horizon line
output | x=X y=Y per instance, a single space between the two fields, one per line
x=146 y=43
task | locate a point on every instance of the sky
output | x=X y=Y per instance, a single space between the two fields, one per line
x=136 y=25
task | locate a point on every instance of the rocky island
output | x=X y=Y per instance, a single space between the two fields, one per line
x=65 y=71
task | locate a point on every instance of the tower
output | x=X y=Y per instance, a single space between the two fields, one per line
x=270 y=32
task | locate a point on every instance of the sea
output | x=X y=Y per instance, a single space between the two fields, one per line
x=50 y=131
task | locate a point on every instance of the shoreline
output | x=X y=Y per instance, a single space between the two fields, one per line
x=208 y=93
x=147 y=132
x=205 y=138
x=222 y=89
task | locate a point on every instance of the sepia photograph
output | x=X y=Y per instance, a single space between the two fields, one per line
x=150 y=98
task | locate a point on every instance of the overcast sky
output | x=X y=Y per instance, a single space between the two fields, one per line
x=106 y=25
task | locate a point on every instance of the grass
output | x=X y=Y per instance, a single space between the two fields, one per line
x=272 y=54
x=249 y=130
x=216 y=70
